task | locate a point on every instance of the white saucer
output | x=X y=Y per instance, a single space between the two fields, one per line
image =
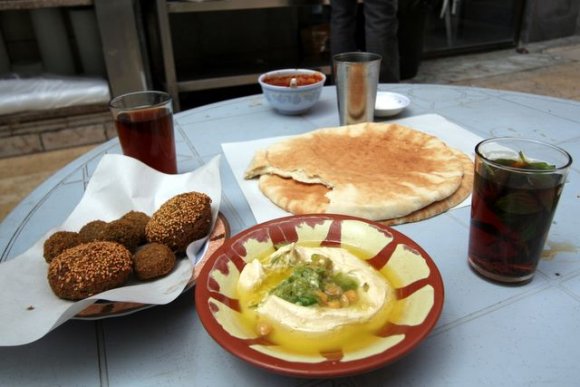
x=389 y=104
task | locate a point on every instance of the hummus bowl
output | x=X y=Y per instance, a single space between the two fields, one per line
x=399 y=300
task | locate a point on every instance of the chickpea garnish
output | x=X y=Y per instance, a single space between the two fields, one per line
x=263 y=328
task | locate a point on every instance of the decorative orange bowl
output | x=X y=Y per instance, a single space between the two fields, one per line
x=412 y=276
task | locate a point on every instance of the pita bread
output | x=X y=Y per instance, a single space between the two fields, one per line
x=294 y=196
x=441 y=206
x=373 y=170
x=301 y=198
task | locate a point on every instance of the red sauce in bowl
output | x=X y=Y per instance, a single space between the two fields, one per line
x=301 y=79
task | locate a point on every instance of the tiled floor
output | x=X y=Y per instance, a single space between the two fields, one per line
x=547 y=68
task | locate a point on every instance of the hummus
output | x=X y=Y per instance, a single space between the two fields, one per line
x=261 y=277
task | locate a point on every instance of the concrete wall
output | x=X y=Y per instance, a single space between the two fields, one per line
x=550 y=19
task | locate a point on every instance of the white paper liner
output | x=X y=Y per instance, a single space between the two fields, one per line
x=28 y=307
x=240 y=154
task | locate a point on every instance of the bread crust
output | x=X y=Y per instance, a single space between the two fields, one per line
x=373 y=170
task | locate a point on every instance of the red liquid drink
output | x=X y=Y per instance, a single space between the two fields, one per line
x=513 y=204
x=147 y=135
x=144 y=122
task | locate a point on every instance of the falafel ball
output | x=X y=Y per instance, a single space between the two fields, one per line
x=59 y=242
x=180 y=220
x=139 y=220
x=93 y=231
x=153 y=260
x=124 y=232
x=88 y=269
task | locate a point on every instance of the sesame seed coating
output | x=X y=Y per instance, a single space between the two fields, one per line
x=59 y=242
x=89 y=269
x=180 y=220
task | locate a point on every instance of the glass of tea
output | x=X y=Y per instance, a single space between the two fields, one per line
x=144 y=122
x=515 y=193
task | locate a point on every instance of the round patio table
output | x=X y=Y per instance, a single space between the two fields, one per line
x=487 y=334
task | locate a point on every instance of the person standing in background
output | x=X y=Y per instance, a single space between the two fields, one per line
x=380 y=32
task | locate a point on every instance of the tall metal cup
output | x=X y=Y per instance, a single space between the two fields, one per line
x=356 y=75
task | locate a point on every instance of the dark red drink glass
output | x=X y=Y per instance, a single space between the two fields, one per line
x=144 y=122
x=516 y=189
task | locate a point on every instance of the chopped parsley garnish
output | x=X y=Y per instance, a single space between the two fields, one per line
x=315 y=283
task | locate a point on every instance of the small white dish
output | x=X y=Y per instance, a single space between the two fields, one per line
x=390 y=104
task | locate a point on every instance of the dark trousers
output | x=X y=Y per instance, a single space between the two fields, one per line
x=380 y=32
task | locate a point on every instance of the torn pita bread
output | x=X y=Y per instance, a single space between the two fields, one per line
x=441 y=206
x=373 y=170
x=301 y=198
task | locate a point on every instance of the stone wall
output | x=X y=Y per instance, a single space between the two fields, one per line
x=27 y=133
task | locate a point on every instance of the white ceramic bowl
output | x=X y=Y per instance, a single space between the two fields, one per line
x=390 y=104
x=291 y=100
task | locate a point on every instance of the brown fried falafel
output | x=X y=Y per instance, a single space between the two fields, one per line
x=153 y=260
x=59 y=242
x=124 y=232
x=139 y=220
x=180 y=220
x=93 y=231
x=88 y=269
